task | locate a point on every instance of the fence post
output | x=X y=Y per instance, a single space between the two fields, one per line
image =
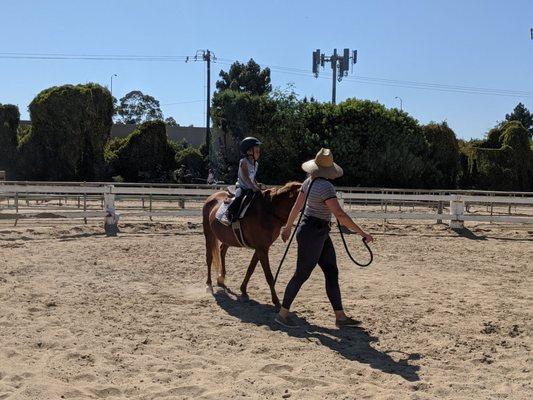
x=340 y=197
x=457 y=205
x=16 y=208
x=111 y=218
x=85 y=207
x=439 y=221
x=151 y=207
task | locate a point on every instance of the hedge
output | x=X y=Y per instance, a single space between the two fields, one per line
x=374 y=145
x=70 y=127
x=504 y=161
x=9 y=121
x=443 y=154
x=144 y=156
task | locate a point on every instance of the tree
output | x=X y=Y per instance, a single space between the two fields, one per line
x=136 y=107
x=191 y=165
x=504 y=161
x=245 y=78
x=70 y=127
x=9 y=121
x=144 y=156
x=374 y=145
x=522 y=114
x=443 y=154
x=170 y=121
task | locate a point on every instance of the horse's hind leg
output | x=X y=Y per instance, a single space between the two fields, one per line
x=211 y=252
x=249 y=272
x=222 y=273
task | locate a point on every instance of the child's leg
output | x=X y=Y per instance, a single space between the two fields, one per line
x=233 y=208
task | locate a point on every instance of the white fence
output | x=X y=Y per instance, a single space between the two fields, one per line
x=92 y=199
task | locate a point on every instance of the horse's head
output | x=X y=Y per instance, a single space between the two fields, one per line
x=283 y=198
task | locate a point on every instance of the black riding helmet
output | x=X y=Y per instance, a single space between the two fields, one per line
x=247 y=143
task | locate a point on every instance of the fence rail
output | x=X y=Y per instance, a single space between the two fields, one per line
x=95 y=199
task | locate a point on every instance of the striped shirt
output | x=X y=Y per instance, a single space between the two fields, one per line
x=321 y=191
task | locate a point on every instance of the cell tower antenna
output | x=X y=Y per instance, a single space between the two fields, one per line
x=340 y=64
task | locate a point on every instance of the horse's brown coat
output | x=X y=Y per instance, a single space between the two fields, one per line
x=261 y=226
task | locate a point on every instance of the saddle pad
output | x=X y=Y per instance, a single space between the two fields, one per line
x=231 y=190
x=222 y=210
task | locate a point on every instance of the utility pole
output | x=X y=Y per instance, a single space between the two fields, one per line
x=207 y=59
x=340 y=63
x=334 y=85
x=206 y=56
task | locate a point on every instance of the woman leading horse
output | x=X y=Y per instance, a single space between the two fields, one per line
x=314 y=244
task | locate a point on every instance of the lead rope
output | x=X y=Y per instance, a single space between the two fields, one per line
x=340 y=230
x=350 y=254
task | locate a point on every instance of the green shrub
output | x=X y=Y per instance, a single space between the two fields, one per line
x=507 y=164
x=443 y=154
x=144 y=156
x=374 y=145
x=9 y=121
x=191 y=166
x=70 y=127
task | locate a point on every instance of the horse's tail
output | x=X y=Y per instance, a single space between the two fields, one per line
x=212 y=245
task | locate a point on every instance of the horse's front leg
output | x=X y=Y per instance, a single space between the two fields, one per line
x=249 y=272
x=222 y=273
x=265 y=263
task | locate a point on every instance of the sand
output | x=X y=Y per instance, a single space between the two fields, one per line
x=83 y=316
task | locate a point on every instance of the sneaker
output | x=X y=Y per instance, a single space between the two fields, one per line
x=348 y=322
x=286 y=322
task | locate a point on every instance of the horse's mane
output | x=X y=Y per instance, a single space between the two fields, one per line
x=272 y=193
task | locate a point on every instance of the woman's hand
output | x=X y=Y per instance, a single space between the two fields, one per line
x=286 y=233
x=368 y=237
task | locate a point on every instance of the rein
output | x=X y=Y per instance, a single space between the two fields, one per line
x=340 y=231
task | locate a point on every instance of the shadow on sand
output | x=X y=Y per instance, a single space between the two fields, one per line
x=468 y=234
x=351 y=343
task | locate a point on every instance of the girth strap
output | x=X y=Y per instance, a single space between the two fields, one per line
x=238 y=232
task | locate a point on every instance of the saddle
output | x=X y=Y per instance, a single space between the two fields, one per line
x=241 y=212
x=236 y=226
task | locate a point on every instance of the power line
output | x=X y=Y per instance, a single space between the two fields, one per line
x=96 y=57
x=439 y=87
x=405 y=84
x=183 y=102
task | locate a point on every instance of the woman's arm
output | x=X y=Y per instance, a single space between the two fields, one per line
x=344 y=219
x=296 y=208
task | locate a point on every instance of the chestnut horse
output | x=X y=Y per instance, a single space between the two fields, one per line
x=261 y=226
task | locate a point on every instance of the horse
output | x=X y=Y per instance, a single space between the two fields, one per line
x=261 y=226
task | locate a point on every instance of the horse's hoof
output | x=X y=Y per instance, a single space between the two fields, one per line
x=244 y=298
x=209 y=289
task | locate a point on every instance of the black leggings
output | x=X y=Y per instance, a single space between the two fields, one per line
x=314 y=247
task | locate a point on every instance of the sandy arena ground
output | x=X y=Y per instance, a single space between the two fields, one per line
x=82 y=316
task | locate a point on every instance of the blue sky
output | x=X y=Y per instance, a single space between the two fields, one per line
x=482 y=44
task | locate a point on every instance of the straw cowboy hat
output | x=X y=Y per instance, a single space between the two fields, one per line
x=323 y=166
